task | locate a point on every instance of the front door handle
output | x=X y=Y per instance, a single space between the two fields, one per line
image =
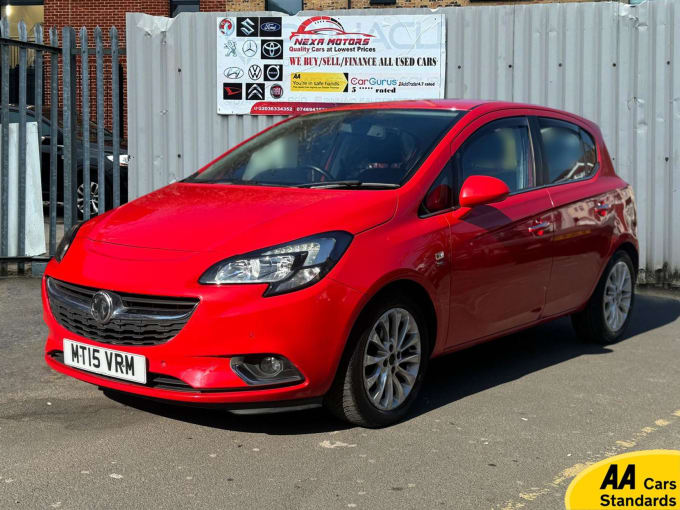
x=538 y=229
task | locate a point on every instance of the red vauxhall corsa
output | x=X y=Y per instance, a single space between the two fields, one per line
x=328 y=258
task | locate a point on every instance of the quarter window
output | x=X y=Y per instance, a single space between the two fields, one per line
x=502 y=150
x=570 y=153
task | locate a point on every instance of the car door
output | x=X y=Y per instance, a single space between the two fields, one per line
x=582 y=202
x=501 y=255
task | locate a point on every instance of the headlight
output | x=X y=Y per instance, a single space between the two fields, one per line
x=123 y=159
x=285 y=267
x=66 y=241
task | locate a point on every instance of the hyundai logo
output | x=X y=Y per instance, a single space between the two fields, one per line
x=271 y=49
x=101 y=308
x=233 y=73
x=270 y=26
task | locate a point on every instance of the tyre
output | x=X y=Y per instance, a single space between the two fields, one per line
x=609 y=309
x=94 y=196
x=380 y=377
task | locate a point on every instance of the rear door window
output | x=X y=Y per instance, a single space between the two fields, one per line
x=569 y=152
x=501 y=149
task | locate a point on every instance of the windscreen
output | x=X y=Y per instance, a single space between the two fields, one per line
x=372 y=147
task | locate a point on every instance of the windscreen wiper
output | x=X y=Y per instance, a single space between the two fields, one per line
x=347 y=184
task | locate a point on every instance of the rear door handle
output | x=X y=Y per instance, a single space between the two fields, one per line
x=539 y=229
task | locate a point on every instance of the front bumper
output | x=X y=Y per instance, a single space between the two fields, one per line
x=309 y=327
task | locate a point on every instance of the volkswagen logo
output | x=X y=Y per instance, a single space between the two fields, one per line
x=233 y=73
x=271 y=49
x=254 y=72
x=101 y=308
x=249 y=48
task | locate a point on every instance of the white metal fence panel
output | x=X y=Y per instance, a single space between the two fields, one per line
x=607 y=61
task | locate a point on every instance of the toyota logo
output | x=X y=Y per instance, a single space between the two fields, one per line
x=233 y=73
x=272 y=49
x=101 y=308
x=249 y=48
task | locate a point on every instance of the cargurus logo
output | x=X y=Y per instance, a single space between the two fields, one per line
x=374 y=81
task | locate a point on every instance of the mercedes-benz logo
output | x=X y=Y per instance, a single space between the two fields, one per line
x=102 y=307
x=249 y=48
x=272 y=49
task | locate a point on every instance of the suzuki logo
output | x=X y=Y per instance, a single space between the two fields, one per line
x=248 y=26
x=101 y=308
x=271 y=49
x=254 y=72
x=249 y=48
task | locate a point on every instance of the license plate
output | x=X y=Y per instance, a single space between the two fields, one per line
x=121 y=365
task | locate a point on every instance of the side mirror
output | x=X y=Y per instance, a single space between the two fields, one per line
x=439 y=198
x=482 y=189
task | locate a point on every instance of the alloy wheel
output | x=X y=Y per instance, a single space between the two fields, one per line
x=617 y=297
x=392 y=359
x=94 y=198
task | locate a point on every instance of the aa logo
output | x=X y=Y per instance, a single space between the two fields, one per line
x=637 y=480
x=611 y=479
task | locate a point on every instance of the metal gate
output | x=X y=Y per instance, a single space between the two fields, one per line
x=82 y=168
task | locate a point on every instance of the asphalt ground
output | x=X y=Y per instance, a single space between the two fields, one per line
x=505 y=425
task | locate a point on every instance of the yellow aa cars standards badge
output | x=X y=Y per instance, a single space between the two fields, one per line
x=638 y=480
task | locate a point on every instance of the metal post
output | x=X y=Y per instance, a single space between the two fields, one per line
x=115 y=126
x=69 y=124
x=101 y=177
x=54 y=134
x=4 y=185
x=21 y=227
x=38 y=36
x=85 y=67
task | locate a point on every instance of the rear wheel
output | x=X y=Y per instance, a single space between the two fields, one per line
x=609 y=309
x=379 y=381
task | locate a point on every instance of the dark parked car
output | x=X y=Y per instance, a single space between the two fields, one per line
x=45 y=143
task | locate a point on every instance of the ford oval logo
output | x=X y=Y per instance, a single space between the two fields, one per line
x=270 y=26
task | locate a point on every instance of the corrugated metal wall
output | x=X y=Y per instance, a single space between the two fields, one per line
x=610 y=62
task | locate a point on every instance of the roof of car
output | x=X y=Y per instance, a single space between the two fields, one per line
x=457 y=104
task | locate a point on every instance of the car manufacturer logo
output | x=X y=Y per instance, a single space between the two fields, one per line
x=233 y=73
x=101 y=308
x=273 y=72
x=249 y=48
x=270 y=27
x=254 y=72
x=232 y=91
x=255 y=91
x=272 y=48
x=276 y=91
x=226 y=26
x=246 y=27
x=230 y=46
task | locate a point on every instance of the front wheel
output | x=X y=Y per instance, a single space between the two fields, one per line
x=379 y=381
x=609 y=309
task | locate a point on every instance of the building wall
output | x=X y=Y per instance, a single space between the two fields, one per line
x=258 y=5
x=90 y=14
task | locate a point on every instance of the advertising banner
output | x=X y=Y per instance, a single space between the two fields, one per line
x=277 y=65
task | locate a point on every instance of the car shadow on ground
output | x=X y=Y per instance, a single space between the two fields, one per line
x=450 y=378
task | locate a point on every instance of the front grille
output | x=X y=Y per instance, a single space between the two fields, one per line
x=137 y=320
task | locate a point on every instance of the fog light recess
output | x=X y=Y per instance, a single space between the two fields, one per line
x=265 y=369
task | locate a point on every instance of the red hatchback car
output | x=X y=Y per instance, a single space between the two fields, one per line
x=328 y=258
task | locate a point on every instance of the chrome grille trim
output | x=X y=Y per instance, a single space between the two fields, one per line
x=139 y=320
